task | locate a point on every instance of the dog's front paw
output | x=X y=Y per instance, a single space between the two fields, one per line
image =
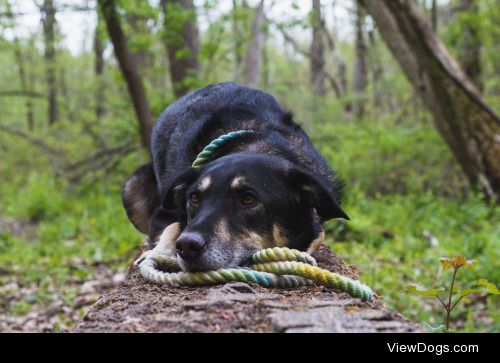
x=165 y=262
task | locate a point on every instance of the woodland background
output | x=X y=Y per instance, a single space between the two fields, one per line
x=402 y=98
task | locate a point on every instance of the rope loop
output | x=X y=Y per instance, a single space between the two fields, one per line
x=272 y=267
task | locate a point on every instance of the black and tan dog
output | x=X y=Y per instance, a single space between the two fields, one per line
x=262 y=189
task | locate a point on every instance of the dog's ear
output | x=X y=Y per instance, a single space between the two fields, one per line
x=174 y=199
x=316 y=194
x=140 y=197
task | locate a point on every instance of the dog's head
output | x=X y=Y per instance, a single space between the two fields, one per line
x=239 y=204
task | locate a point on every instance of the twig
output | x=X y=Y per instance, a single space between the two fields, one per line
x=98 y=155
x=21 y=93
x=104 y=158
x=34 y=140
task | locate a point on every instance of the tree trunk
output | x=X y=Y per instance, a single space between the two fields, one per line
x=339 y=62
x=376 y=70
x=360 y=65
x=466 y=122
x=49 y=30
x=253 y=54
x=266 y=75
x=129 y=68
x=317 y=65
x=99 y=67
x=24 y=84
x=138 y=24
x=237 y=26
x=65 y=94
x=434 y=16
x=181 y=39
x=469 y=43
x=23 y=77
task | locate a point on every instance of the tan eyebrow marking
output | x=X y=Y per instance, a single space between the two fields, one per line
x=205 y=183
x=237 y=181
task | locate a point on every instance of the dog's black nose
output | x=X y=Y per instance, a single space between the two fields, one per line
x=190 y=246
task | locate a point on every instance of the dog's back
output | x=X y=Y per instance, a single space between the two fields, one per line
x=190 y=123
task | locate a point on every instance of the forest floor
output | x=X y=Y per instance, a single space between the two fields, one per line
x=49 y=306
x=23 y=310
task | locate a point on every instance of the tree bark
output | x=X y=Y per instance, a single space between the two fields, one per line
x=23 y=77
x=338 y=79
x=317 y=59
x=237 y=28
x=360 y=65
x=99 y=67
x=376 y=70
x=49 y=25
x=466 y=122
x=129 y=68
x=253 y=54
x=266 y=74
x=182 y=43
x=434 y=16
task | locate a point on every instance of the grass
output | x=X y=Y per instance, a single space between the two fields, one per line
x=385 y=239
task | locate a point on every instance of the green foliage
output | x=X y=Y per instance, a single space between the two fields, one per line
x=401 y=161
x=456 y=263
x=41 y=199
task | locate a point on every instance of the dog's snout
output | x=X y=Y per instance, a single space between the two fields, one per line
x=190 y=246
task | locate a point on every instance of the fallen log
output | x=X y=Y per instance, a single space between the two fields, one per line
x=138 y=306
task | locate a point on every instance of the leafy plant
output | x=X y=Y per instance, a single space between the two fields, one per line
x=481 y=285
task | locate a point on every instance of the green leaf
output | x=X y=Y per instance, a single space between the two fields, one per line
x=446 y=262
x=422 y=291
x=471 y=264
x=469 y=291
x=434 y=329
x=490 y=287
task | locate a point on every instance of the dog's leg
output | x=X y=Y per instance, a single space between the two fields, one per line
x=164 y=252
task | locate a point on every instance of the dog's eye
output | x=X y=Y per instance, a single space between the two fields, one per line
x=248 y=199
x=194 y=198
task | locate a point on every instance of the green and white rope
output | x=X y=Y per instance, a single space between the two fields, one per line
x=214 y=145
x=272 y=267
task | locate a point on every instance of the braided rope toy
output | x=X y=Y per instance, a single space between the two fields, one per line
x=273 y=267
x=214 y=145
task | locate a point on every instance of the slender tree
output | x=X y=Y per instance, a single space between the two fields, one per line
x=182 y=43
x=99 y=66
x=360 y=65
x=129 y=66
x=238 y=17
x=49 y=32
x=253 y=54
x=434 y=16
x=22 y=71
x=137 y=19
x=466 y=122
x=317 y=65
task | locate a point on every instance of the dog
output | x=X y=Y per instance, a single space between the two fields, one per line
x=267 y=187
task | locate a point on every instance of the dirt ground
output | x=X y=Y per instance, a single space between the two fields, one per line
x=138 y=306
